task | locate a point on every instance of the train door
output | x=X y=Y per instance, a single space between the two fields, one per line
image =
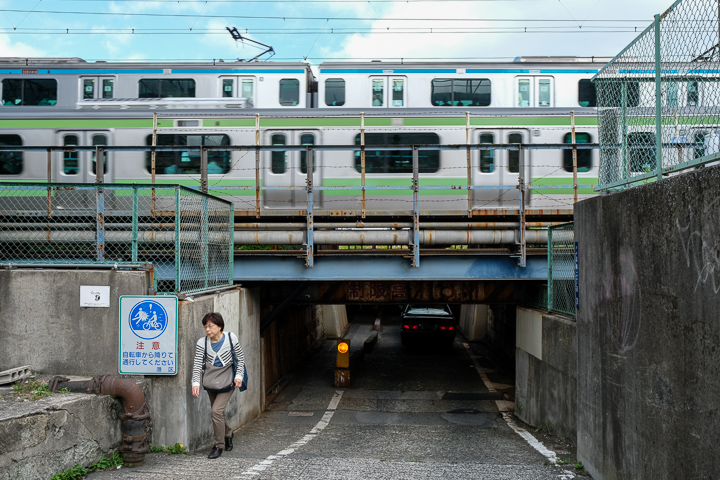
x=536 y=92
x=238 y=86
x=286 y=168
x=485 y=169
x=509 y=167
x=81 y=166
x=388 y=91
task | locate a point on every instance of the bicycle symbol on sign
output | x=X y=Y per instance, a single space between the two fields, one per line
x=148 y=319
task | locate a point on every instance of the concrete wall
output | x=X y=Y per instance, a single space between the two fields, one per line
x=546 y=372
x=43 y=325
x=648 y=330
x=177 y=416
x=332 y=319
x=42 y=438
x=473 y=322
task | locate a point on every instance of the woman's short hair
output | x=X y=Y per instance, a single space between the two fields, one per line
x=215 y=318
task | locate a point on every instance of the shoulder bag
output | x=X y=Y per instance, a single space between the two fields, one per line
x=218 y=379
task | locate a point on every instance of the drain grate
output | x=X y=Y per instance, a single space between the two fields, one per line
x=473 y=396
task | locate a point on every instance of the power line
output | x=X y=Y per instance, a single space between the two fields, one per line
x=345 y=19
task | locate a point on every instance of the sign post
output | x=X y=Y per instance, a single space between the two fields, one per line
x=148 y=335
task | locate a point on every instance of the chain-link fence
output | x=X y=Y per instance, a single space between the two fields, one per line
x=659 y=99
x=185 y=235
x=561 y=269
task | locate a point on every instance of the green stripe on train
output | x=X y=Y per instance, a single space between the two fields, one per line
x=585 y=186
x=195 y=183
x=311 y=122
x=394 y=182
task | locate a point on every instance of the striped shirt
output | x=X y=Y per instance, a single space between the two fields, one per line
x=224 y=355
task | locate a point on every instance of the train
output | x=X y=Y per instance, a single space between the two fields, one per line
x=231 y=107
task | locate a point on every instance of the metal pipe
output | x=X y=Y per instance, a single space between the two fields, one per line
x=297 y=237
x=132 y=422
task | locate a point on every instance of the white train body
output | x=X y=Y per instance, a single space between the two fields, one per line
x=67 y=102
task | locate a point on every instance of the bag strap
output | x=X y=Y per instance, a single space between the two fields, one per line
x=232 y=350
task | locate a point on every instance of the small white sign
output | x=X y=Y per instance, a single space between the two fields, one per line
x=148 y=335
x=93 y=296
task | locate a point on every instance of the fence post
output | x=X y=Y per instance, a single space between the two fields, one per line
x=231 y=241
x=550 y=264
x=177 y=239
x=310 y=171
x=135 y=223
x=100 y=223
x=658 y=99
x=416 y=206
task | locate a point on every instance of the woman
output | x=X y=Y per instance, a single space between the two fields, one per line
x=222 y=350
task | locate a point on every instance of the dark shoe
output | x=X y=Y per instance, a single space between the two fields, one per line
x=228 y=442
x=215 y=452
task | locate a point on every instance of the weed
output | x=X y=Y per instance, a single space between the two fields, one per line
x=156 y=449
x=579 y=466
x=563 y=461
x=41 y=391
x=176 y=449
x=78 y=471
x=64 y=390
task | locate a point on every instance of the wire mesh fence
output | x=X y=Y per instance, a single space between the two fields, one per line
x=659 y=99
x=185 y=235
x=561 y=269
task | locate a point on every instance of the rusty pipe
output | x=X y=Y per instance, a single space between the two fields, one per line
x=134 y=439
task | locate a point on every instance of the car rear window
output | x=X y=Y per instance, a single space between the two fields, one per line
x=427 y=311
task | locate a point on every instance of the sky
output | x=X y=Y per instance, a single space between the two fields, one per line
x=321 y=30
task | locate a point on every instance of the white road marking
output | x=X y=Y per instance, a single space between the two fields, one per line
x=321 y=425
x=502 y=406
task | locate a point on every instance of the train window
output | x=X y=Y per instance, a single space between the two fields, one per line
x=612 y=97
x=641 y=152
x=29 y=92
x=398 y=161
x=88 y=88
x=11 y=163
x=166 y=87
x=544 y=92
x=693 y=94
x=306 y=139
x=398 y=92
x=334 y=92
x=514 y=155
x=455 y=92
x=70 y=159
x=99 y=141
x=378 y=92
x=524 y=92
x=671 y=94
x=186 y=162
x=278 y=161
x=699 y=144
x=487 y=156
x=108 y=87
x=584 y=157
x=587 y=95
x=289 y=92
x=97 y=87
x=228 y=87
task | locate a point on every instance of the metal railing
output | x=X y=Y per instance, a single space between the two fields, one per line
x=186 y=236
x=659 y=99
x=561 y=269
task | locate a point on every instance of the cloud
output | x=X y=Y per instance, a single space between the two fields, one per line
x=9 y=48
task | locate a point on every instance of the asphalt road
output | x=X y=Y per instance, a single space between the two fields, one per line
x=409 y=415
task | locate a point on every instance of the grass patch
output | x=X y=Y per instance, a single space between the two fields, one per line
x=78 y=471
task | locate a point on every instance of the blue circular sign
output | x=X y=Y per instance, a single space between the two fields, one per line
x=148 y=319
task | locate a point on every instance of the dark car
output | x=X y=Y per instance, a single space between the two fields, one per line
x=432 y=325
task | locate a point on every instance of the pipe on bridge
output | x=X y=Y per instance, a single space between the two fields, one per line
x=298 y=237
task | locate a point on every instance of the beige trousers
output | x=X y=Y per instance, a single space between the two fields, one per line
x=221 y=430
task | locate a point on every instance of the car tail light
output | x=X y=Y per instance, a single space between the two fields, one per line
x=410 y=327
x=447 y=327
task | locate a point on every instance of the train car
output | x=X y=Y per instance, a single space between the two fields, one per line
x=69 y=103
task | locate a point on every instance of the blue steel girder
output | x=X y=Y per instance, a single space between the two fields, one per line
x=479 y=267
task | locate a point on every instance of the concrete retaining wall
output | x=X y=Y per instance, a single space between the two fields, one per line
x=546 y=372
x=332 y=318
x=39 y=439
x=648 y=330
x=43 y=325
x=473 y=322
